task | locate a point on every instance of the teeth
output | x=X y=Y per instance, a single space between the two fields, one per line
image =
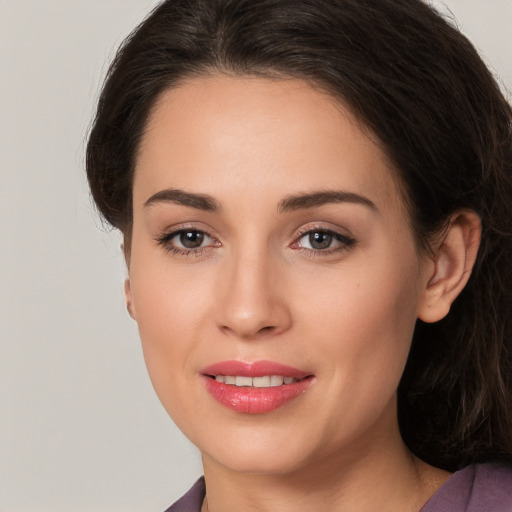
x=243 y=381
x=266 y=381
x=261 y=382
x=276 y=380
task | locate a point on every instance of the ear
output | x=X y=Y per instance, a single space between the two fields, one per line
x=128 y=298
x=453 y=260
x=125 y=248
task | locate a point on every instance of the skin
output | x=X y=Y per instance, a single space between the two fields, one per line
x=256 y=289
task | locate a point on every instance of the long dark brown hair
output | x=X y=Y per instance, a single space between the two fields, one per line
x=421 y=89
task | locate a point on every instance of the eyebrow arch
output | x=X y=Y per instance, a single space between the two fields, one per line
x=314 y=199
x=198 y=201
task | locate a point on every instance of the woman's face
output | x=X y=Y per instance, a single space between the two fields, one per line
x=269 y=241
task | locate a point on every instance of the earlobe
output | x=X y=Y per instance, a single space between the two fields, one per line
x=454 y=257
x=128 y=298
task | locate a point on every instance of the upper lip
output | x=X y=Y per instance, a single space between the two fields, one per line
x=253 y=369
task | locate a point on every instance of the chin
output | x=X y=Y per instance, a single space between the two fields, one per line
x=258 y=461
x=256 y=452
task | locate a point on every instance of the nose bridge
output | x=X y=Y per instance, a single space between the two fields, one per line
x=252 y=303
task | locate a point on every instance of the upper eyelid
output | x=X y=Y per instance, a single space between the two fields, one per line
x=339 y=236
x=175 y=233
x=169 y=232
x=167 y=236
x=180 y=228
x=309 y=228
x=343 y=236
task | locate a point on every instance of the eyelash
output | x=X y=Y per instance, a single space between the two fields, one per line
x=165 y=241
x=344 y=242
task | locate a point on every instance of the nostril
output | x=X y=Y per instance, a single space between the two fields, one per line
x=248 y=332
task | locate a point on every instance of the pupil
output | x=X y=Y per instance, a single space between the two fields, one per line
x=191 y=239
x=319 y=240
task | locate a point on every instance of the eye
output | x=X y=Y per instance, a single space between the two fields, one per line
x=323 y=240
x=186 y=241
x=318 y=240
x=190 y=239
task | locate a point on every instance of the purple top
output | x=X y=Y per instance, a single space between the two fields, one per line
x=477 y=488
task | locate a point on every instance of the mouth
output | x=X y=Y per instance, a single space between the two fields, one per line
x=255 y=388
x=266 y=381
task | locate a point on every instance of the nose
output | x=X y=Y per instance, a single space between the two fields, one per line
x=252 y=302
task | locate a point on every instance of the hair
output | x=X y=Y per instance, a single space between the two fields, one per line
x=421 y=89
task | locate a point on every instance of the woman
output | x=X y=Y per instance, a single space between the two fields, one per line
x=315 y=203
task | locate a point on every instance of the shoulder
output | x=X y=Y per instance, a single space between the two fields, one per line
x=492 y=488
x=476 y=488
x=192 y=500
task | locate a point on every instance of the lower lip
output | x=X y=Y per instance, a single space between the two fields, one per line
x=253 y=400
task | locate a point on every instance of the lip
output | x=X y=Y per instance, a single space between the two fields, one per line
x=252 y=400
x=254 y=369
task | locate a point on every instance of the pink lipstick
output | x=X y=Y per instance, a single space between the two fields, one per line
x=254 y=388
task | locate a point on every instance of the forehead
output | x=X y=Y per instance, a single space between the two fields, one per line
x=222 y=134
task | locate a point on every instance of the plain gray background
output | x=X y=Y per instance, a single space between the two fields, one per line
x=80 y=426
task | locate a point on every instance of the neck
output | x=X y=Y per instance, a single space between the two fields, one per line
x=388 y=478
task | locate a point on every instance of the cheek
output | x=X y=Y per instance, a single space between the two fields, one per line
x=370 y=331
x=364 y=326
x=167 y=295
x=170 y=308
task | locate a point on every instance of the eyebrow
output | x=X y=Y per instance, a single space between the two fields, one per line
x=315 y=199
x=198 y=201
x=291 y=203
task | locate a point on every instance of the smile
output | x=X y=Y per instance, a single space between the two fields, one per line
x=255 y=388
x=266 y=381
